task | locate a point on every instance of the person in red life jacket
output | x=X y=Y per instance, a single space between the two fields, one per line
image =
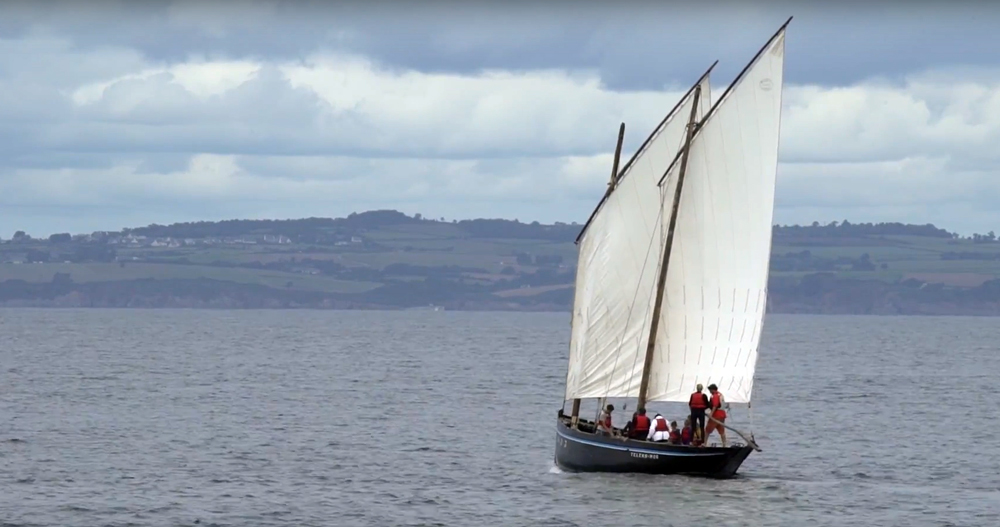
x=675 y=434
x=660 y=429
x=687 y=432
x=698 y=403
x=717 y=405
x=604 y=421
x=638 y=427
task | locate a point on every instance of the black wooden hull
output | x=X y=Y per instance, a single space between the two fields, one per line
x=580 y=451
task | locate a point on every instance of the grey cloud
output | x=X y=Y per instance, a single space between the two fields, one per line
x=301 y=187
x=47 y=160
x=54 y=59
x=154 y=163
x=264 y=115
x=634 y=44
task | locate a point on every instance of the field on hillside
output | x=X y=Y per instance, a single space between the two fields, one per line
x=98 y=272
x=905 y=257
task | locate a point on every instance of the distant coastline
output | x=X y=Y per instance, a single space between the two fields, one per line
x=840 y=297
x=386 y=260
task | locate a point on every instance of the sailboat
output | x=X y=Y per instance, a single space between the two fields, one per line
x=671 y=282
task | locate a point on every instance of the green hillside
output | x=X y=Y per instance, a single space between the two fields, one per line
x=387 y=259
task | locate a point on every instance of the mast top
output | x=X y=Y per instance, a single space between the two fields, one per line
x=620 y=174
x=736 y=82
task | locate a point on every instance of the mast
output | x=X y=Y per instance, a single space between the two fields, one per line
x=575 y=412
x=618 y=154
x=662 y=279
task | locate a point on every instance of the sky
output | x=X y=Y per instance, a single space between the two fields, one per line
x=123 y=114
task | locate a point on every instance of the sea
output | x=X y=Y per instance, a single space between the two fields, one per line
x=344 y=418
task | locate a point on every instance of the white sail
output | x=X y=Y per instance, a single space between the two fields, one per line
x=616 y=271
x=716 y=288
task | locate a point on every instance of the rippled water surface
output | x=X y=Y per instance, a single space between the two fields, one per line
x=130 y=417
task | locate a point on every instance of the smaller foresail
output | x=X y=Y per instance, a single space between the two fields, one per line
x=616 y=270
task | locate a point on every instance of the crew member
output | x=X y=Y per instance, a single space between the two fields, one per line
x=698 y=403
x=604 y=420
x=687 y=436
x=675 y=434
x=639 y=427
x=660 y=429
x=717 y=405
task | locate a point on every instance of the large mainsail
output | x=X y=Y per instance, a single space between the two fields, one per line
x=716 y=287
x=618 y=254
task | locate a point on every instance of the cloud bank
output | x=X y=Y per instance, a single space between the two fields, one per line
x=102 y=134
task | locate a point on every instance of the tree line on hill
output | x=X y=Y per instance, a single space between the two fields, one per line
x=316 y=230
x=323 y=230
x=846 y=229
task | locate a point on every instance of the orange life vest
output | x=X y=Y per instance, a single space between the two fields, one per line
x=661 y=425
x=719 y=413
x=697 y=401
x=641 y=423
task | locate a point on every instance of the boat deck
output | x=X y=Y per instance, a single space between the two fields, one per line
x=590 y=427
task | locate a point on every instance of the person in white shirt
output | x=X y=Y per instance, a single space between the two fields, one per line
x=604 y=421
x=659 y=430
